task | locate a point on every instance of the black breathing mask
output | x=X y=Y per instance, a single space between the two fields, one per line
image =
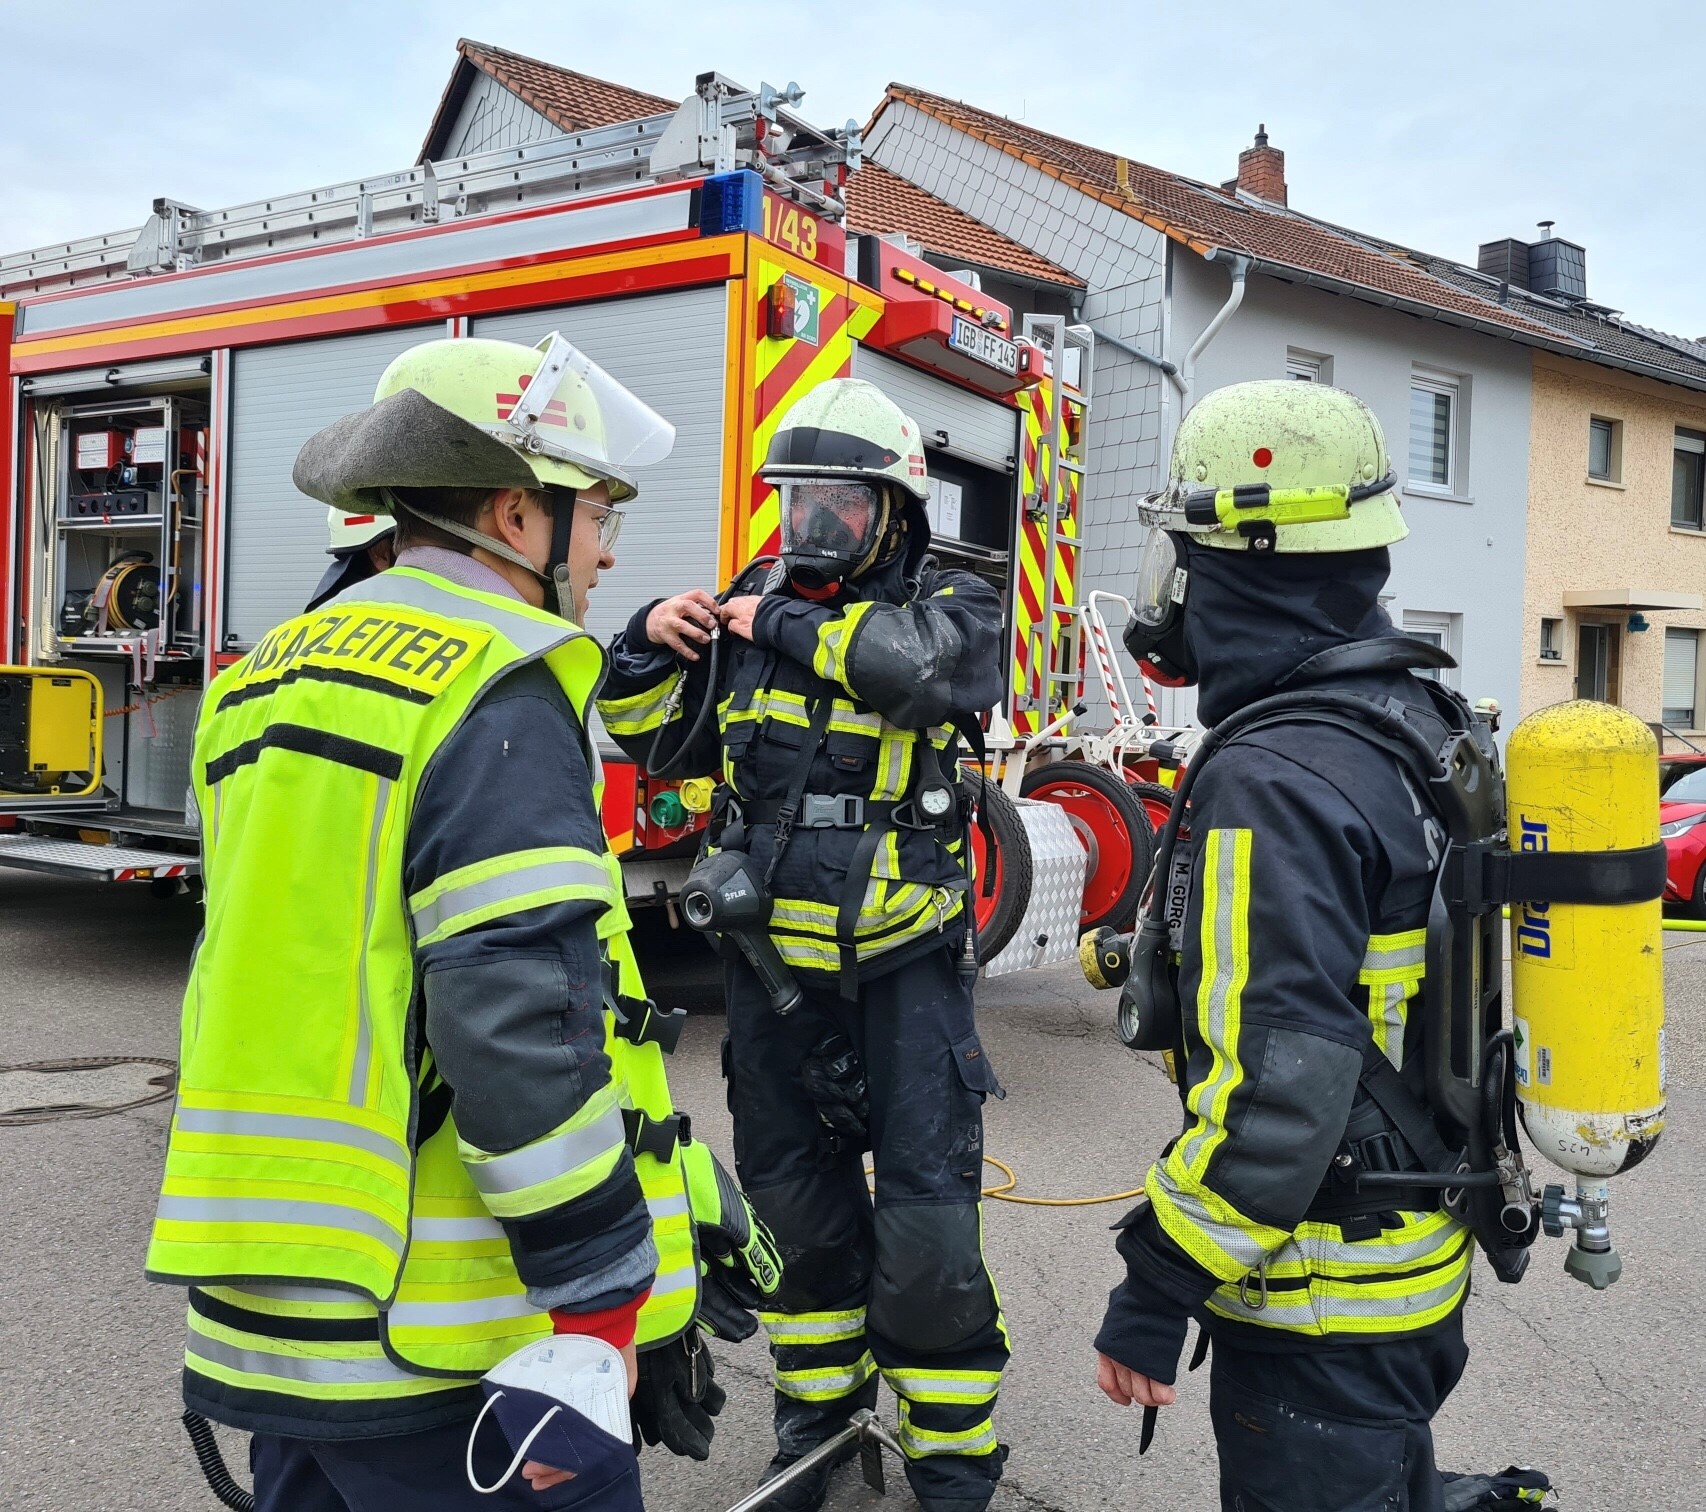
x=1155 y=633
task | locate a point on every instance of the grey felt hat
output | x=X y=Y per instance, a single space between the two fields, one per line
x=404 y=441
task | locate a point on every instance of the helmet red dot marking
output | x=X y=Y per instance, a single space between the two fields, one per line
x=1262 y=456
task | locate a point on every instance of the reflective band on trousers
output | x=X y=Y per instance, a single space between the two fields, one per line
x=291 y=1126
x=827 y=1382
x=918 y=1442
x=278 y=1210
x=968 y=1387
x=550 y=1157
x=813 y=1328
x=503 y=892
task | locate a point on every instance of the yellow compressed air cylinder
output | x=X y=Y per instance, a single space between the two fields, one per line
x=1587 y=980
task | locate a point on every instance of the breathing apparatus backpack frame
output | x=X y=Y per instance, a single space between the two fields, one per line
x=1464 y=1136
x=731 y=816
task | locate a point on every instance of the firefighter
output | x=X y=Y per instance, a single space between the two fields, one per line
x=1334 y=1306
x=405 y=1141
x=840 y=674
x=359 y=546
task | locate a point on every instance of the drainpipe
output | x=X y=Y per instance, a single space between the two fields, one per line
x=1240 y=266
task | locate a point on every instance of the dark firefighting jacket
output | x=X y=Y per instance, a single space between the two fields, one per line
x=1312 y=861
x=895 y=660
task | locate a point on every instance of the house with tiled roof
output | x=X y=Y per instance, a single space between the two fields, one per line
x=1190 y=286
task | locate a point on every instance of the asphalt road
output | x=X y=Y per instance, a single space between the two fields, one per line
x=1607 y=1392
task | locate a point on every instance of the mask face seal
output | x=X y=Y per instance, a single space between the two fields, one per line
x=830 y=529
x=1155 y=632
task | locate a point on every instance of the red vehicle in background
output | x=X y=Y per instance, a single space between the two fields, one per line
x=1682 y=826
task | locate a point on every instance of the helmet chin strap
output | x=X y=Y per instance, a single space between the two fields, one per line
x=555 y=579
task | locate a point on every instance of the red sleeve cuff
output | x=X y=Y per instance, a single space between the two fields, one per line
x=615 y=1325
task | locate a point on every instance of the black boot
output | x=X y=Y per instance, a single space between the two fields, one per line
x=956 y=1483
x=805 y=1493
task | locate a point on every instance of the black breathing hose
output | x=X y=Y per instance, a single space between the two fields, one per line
x=661 y=771
x=212 y=1464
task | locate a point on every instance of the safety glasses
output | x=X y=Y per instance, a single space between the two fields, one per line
x=609 y=524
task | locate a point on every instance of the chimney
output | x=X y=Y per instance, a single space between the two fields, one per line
x=1261 y=170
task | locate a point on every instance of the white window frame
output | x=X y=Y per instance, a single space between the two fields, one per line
x=1685 y=438
x=1554 y=644
x=1614 y=459
x=1451 y=386
x=1445 y=630
x=1308 y=367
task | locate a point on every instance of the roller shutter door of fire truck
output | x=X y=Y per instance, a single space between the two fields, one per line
x=672 y=350
x=281 y=395
x=979 y=430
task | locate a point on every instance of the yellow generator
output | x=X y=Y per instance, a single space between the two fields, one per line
x=1587 y=978
x=50 y=735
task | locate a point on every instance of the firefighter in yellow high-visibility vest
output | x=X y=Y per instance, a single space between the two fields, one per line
x=421 y=1119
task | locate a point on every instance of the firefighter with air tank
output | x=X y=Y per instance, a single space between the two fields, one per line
x=1323 y=970
x=842 y=678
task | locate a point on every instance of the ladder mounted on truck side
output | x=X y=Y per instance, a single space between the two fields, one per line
x=721 y=127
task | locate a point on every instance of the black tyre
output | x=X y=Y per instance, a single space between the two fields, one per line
x=1157 y=801
x=1000 y=912
x=1113 y=827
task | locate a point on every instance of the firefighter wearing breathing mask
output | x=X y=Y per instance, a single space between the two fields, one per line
x=1293 y=960
x=422 y=1120
x=840 y=674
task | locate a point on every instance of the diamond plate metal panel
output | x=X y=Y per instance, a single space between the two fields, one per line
x=72 y=858
x=1049 y=932
x=162 y=740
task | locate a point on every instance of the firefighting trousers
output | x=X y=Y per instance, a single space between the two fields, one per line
x=1333 y=1430
x=897 y=1287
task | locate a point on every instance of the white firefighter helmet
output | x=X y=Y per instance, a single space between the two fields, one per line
x=1280 y=465
x=473 y=413
x=348 y=533
x=847 y=460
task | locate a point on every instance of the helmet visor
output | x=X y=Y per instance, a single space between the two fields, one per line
x=1160 y=580
x=571 y=410
x=840 y=521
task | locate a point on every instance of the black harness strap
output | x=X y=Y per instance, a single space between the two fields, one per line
x=802 y=772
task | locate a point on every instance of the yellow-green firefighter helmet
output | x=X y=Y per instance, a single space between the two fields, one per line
x=848 y=428
x=475 y=413
x=1283 y=466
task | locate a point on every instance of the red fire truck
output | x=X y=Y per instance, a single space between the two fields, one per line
x=158 y=384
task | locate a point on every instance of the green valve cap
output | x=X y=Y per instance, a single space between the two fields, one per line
x=667 y=811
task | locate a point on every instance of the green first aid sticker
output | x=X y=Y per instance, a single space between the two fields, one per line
x=806 y=300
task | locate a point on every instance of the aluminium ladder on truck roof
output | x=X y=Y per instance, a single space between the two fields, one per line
x=717 y=129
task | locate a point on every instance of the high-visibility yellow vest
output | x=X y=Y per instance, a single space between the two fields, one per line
x=292 y=1185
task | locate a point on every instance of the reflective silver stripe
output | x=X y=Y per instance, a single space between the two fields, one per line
x=1240 y=1244
x=399 y=587
x=1213 y=995
x=830 y=1329
x=455 y=1230
x=363 y=1059
x=290 y=1126
x=818 y=1383
x=452 y=1314
x=925 y=1385
x=1321 y=1310
x=1383 y=1257
x=666 y=1207
x=555 y=1156
x=682 y=1278
x=279 y=1210
x=922 y=1441
x=430 y=917
x=365 y=1370
x=300 y=1294
x=1394 y=1013
x=1400 y=957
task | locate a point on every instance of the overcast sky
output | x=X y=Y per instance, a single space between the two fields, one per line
x=1440 y=124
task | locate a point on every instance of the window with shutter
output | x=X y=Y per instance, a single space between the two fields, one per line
x=1682 y=657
